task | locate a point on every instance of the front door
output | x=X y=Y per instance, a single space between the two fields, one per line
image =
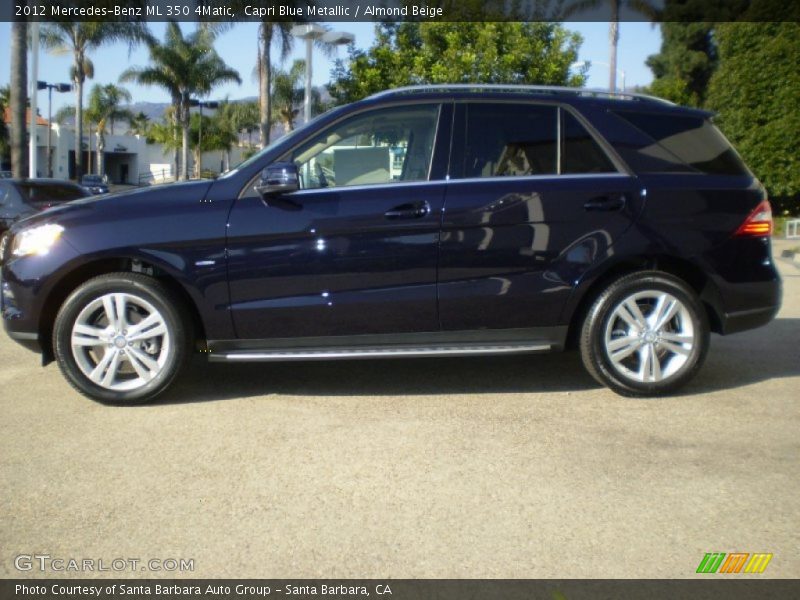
x=354 y=251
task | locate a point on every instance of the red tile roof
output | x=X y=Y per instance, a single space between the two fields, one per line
x=39 y=119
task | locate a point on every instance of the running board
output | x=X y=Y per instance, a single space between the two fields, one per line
x=376 y=352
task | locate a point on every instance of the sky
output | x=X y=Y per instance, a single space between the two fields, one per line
x=238 y=47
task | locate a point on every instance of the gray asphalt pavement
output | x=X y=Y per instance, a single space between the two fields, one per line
x=496 y=467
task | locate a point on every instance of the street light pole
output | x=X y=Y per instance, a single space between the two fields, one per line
x=59 y=87
x=213 y=104
x=308 y=32
x=32 y=154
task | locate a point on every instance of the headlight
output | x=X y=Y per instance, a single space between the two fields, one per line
x=36 y=240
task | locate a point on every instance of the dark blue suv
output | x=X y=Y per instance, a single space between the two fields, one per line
x=425 y=221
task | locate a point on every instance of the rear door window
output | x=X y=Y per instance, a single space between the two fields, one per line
x=508 y=140
x=580 y=152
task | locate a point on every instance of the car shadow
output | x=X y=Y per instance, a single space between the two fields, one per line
x=769 y=352
x=733 y=361
x=383 y=377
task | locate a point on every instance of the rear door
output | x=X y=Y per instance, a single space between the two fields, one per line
x=534 y=198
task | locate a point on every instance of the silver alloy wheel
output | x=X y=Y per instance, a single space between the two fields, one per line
x=649 y=336
x=120 y=341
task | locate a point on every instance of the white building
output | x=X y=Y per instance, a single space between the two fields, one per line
x=129 y=159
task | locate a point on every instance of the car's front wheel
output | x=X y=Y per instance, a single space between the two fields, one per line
x=647 y=334
x=119 y=338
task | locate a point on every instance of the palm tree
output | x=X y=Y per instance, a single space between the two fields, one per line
x=139 y=124
x=79 y=39
x=280 y=33
x=268 y=33
x=19 y=98
x=217 y=134
x=243 y=116
x=185 y=66
x=105 y=104
x=287 y=93
x=4 y=138
x=643 y=7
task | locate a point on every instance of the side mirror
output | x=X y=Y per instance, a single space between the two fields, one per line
x=278 y=178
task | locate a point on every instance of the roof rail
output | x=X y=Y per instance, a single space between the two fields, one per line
x=535 y=89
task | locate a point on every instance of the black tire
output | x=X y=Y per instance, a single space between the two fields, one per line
x=143 y=293
x=604 y=333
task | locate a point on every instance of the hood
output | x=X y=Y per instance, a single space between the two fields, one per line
x=121 y=205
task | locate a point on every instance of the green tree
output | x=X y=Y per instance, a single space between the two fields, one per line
x=269 y=33
x=422 y=53
x=685 y=63
x=209 y=134
x=79 y=39
x=5 y=94
x=105 y=105
x=288 y=93
x=755 y=91
x=185 y=66
x=244 y=117
x=139 y=124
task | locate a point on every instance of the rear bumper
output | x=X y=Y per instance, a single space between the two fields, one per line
x=748 y=319
x=748 y=288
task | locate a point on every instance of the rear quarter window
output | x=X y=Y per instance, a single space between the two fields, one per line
x=681 y=143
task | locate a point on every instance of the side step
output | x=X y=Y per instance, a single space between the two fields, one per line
x=375 y=352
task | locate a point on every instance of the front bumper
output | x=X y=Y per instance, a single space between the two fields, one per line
x=12 y=314
x=25 y=285
x=26 y=339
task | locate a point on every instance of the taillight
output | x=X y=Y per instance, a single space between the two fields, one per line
x=758 y=222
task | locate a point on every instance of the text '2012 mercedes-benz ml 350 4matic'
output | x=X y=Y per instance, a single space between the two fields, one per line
x=423 y=221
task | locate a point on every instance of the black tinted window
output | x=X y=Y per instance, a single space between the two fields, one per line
x=687 y=142
x=508 y=140
x=37 y=193
x=580 y=153
x=8 y=196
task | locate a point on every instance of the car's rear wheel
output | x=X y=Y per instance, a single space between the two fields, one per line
x=647 y=334
x=120 y=338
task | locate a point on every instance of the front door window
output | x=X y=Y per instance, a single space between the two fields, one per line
x=381 y=147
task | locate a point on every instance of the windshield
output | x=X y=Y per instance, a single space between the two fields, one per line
x=92 y=179
x=291 y=135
